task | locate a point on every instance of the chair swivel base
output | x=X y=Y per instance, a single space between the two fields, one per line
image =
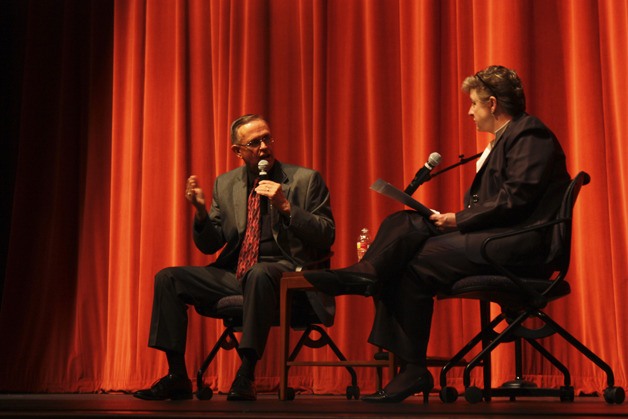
x=518 y=384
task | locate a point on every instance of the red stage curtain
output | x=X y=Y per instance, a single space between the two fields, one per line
x=118 y=102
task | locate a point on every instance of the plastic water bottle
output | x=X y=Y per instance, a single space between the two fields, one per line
x=364 y=241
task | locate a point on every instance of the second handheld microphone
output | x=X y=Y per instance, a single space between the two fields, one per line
x=423 y=174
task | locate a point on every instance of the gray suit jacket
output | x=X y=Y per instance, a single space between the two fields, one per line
x=305 y=237
x=521 y=183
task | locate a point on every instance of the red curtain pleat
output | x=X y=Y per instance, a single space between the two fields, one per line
x=120 y=101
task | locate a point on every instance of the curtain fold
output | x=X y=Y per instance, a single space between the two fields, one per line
x=118 y=102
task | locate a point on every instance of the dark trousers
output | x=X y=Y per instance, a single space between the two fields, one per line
x=414 y=261
x=202 y=287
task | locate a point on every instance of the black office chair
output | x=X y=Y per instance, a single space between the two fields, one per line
x=521 y=299
x=229 y=310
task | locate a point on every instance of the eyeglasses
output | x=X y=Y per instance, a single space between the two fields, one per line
x=489 y=88
x=257 y=142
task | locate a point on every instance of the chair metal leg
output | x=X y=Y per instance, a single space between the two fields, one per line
x=284 y=340
x=492 y=345
x=551 y=358
x=485 y=317
x=610 y=377
x=480 y=337
x=227 y=341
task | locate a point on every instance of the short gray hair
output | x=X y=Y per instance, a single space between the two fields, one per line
x=244 y=119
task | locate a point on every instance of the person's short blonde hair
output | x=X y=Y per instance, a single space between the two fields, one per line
x=502 y=83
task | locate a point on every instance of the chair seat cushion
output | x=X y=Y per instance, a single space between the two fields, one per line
x=227 y=307
x=230 y=310
x=501 y=290
x=230 y=306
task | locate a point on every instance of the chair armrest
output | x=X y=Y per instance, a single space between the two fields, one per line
x=314 y=263
x=536 y=298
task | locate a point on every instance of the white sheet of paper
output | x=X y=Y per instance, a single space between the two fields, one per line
x=385 y=188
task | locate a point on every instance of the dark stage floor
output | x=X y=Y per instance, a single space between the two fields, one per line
x=304 y=406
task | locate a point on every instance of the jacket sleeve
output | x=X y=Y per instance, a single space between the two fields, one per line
x=512 y=185
x=208 y=234
x=311 y=220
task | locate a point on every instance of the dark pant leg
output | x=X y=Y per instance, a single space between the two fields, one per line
x=261 y=303
x=404 y=310
x=403 y=317
x=174 y=289
x=400 y=236
x=444 y=260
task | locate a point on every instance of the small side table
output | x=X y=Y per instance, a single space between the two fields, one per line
x=295 y=281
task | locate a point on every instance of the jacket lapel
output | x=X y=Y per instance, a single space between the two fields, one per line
x=240 y=200
x=283 y=179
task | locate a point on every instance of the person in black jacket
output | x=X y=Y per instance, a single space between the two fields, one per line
x=520 y=181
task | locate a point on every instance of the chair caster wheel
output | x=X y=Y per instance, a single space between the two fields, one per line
x=615 y=395
x=290 y=393
x=448 y=394
x=566 y=394
x=473 y=394
x=353 y=392
x=204 y=393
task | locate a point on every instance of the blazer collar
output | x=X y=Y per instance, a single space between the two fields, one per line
x=240 y=199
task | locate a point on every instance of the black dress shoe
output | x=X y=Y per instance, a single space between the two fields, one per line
x=423 y=385
x=339 y=282
x=242 y=389
x=172 y=386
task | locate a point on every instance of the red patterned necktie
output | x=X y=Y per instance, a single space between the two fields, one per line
x=250 y=245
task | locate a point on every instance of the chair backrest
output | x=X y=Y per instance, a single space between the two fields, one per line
x=510 y=290
x=560 y=248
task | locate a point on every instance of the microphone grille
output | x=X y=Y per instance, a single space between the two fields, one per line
x=262 y=165
x=434 y=159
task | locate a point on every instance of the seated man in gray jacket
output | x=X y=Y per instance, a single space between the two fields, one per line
x=266 y=225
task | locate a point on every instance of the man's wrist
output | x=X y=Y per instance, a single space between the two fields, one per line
x=201 y=213
x=286 y=209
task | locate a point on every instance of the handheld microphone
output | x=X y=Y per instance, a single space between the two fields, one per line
x=262 y=165
x=423 y=175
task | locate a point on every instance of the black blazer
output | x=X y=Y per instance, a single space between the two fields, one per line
x=521 y=183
